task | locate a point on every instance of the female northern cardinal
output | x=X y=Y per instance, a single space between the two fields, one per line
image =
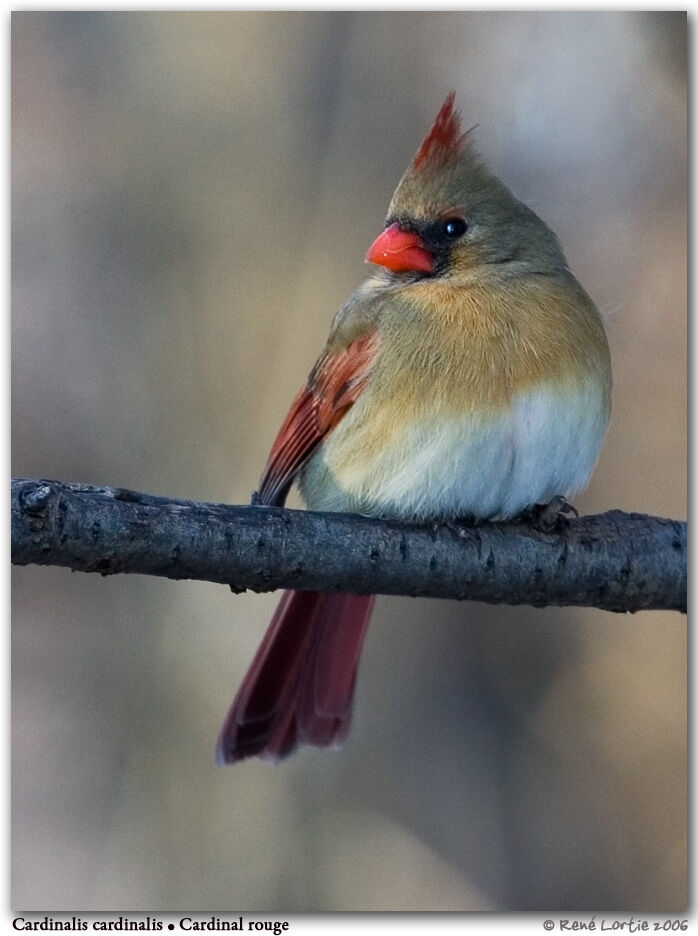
x=469 y=376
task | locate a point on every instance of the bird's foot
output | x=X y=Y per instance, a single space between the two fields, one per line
x=552 y=517
x=463 y=526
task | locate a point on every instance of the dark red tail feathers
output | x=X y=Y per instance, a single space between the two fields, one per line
x=300 y=686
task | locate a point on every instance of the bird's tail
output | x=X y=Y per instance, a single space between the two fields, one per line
x=300 y=686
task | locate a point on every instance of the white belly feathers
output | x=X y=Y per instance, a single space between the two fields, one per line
x=487 y=466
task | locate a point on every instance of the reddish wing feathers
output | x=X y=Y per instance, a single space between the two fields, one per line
x=333 y=386
x=300 y=686
x=297 y=439
x=444 y=142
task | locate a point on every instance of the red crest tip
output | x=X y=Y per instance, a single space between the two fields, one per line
x=444 y=142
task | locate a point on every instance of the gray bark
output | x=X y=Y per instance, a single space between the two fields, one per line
x=615 y=561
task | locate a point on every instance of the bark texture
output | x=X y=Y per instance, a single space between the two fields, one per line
x=616 y=561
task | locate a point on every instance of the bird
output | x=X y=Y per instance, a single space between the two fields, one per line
x=468 y=377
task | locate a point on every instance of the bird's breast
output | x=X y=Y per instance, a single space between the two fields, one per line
x=480 y=402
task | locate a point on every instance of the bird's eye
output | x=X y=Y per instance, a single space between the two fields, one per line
x=454 y=227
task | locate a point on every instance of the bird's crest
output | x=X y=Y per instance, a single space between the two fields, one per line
x=444 y=143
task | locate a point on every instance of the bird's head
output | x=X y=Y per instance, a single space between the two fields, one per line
x=450 y=217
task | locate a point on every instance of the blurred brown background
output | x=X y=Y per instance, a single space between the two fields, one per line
x=193 y=195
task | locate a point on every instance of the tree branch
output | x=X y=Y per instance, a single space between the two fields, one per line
x=616 y=561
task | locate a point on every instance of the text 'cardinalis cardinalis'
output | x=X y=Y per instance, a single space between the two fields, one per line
x=469 y=376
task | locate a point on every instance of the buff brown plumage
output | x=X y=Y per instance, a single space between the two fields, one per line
x=469 y=376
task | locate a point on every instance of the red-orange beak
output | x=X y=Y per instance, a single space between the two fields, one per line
x=400 y=251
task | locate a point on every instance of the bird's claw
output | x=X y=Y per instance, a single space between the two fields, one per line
x=462 y=526
x=551 y=517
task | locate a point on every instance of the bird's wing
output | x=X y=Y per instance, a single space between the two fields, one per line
x=333 y=386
